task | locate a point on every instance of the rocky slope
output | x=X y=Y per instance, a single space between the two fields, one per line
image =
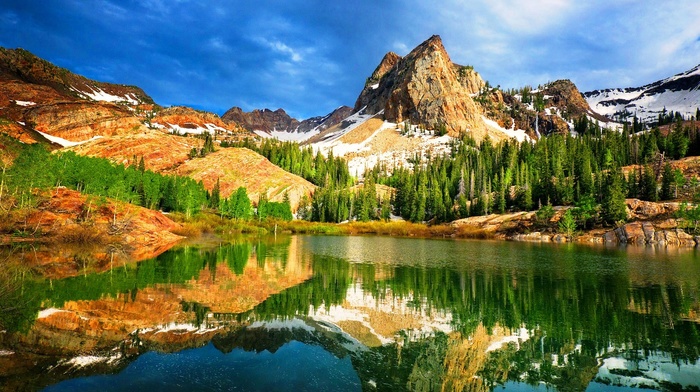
x=23 y=68
x=40 y=102
x=679 y=93
x=279 y=124
x=236 y=167
x=650 y=224
x=184 y=120
x=161 y=152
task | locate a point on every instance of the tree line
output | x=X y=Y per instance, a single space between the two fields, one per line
x=583 y=171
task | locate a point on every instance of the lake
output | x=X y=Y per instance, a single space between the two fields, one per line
x=324 y=313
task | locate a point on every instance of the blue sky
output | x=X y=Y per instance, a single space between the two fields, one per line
x=310 y=57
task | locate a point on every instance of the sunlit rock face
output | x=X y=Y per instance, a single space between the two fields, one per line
x=423 y=88
x=231 y=167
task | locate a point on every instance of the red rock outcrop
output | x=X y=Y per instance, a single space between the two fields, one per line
x=188 y=118
x=68 y=216
x=161 y=152
x=81 y=121
x=21 y=65
x=41 y=96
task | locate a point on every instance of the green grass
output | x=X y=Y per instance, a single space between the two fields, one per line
x=209 y=223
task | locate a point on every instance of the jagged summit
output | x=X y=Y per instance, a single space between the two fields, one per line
x=388 y=62
x=423 y=88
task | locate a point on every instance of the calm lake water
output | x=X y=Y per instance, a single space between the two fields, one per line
x=308 y=313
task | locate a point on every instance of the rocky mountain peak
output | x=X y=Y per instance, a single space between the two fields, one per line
x=422 y=88
x=388 y=62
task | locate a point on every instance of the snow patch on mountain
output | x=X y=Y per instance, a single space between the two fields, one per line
x=192 y=129
x=97 y=94
x=66 y=143
x=517 y=134
x=25 y=103
x=285 y=136
x=388 y=144
x=679 y=93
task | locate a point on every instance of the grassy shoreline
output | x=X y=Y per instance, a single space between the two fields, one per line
x=208 y=223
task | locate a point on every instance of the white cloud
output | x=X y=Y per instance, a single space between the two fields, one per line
x=401 y=48
x=218 y=44
x=527 y=17
x=282 y=48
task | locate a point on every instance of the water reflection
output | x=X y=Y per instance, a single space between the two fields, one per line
x=407 y=314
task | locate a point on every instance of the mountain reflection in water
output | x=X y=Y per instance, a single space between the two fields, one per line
x=313 y=313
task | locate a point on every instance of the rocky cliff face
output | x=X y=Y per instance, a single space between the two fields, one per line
x=470 y=80
x=264 y=120
x=423 y=88
x=78 y=121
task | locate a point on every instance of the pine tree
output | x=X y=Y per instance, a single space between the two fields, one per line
x=215 y=198
x=648 y=185
x=632 y=185
x=667 y=182
x=613 y=208
x=567 y=224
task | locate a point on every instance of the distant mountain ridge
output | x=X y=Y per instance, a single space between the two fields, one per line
x=679 y=93
x=279 y=124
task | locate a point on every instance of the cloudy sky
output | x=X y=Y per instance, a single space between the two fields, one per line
x=311 y=56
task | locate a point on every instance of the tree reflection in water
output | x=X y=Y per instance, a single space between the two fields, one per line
x=426 y=314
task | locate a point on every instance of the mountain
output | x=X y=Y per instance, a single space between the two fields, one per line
x=424 y=89
x=20 y=69
x=40 y=102
x=236 y=167
x=679 y=93
x=279 y=124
